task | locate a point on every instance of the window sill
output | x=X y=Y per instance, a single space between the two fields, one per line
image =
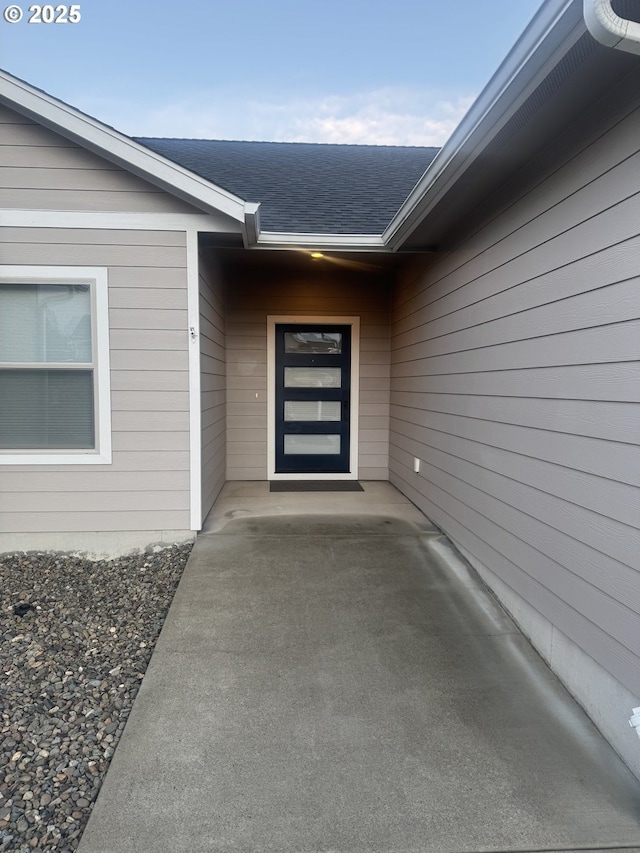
x=78 y=457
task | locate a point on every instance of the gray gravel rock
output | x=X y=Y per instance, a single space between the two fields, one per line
x=70 y=668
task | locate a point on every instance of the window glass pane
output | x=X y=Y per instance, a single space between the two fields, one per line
x=312 y=377
x=46 y=409
x=325 y=445
x=311 y=410
x=45 y=323
x=324 y=342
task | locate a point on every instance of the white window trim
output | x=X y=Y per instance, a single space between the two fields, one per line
x=354 y=322
x=98 y=279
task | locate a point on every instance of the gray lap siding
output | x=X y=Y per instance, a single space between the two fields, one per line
x=213 y=380
x=249 y=304
x=147 y=485
x=515 y=379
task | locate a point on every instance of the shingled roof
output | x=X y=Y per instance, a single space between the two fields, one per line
x=306 y=188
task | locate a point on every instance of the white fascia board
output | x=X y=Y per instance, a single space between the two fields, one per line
x=556 y=27
x=118 y=148
x=337 y=242
x=108 y=220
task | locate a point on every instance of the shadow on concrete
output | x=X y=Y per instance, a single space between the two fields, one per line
x=325 y=683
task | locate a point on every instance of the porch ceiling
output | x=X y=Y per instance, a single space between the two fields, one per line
x=299 y=262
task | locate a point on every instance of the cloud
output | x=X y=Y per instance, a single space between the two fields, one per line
x=390 y=116
x=385 y=117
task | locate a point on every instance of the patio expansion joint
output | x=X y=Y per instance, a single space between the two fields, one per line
x=601 y=848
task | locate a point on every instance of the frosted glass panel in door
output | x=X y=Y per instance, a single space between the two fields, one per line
x=313 y=342
x=311 y=410
x=326 y=445
x=312 y=377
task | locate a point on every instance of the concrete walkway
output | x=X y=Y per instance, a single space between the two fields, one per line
x=326 y=682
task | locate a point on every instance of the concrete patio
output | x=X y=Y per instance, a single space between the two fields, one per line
x=331 y=677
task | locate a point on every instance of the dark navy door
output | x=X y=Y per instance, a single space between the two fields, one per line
x=313 y=377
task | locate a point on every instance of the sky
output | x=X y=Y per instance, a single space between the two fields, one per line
x=381 y=72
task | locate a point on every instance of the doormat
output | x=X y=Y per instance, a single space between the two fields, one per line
x=315 y=486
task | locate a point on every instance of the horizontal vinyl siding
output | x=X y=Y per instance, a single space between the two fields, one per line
x=334 y=295
x=147 y=486
x=213 y=382
x=41 y=170
x=516 y=382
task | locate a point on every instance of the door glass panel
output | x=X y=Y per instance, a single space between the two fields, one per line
x=311 y=410
x=312 y=377
x=325 y=445
x=310 y=342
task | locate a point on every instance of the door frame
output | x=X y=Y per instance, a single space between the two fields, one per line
x=354 y=322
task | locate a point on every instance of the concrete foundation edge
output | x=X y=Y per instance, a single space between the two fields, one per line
x=93 y=545
x=606 y=701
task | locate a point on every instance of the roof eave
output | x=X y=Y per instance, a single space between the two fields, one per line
x=311 y=242
x=554 y=30
x=119 y=149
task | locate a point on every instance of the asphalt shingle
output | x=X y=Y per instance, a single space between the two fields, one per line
x=306 y=187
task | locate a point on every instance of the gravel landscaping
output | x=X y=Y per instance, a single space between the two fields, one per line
x=76 y=637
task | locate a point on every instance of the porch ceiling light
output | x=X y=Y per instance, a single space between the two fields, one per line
x=316 y=256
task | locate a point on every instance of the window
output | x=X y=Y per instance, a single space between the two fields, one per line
x=54 y=366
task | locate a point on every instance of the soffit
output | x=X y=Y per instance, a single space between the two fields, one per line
x=586 y=73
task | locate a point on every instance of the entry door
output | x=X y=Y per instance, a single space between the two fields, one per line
x=313 y=376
